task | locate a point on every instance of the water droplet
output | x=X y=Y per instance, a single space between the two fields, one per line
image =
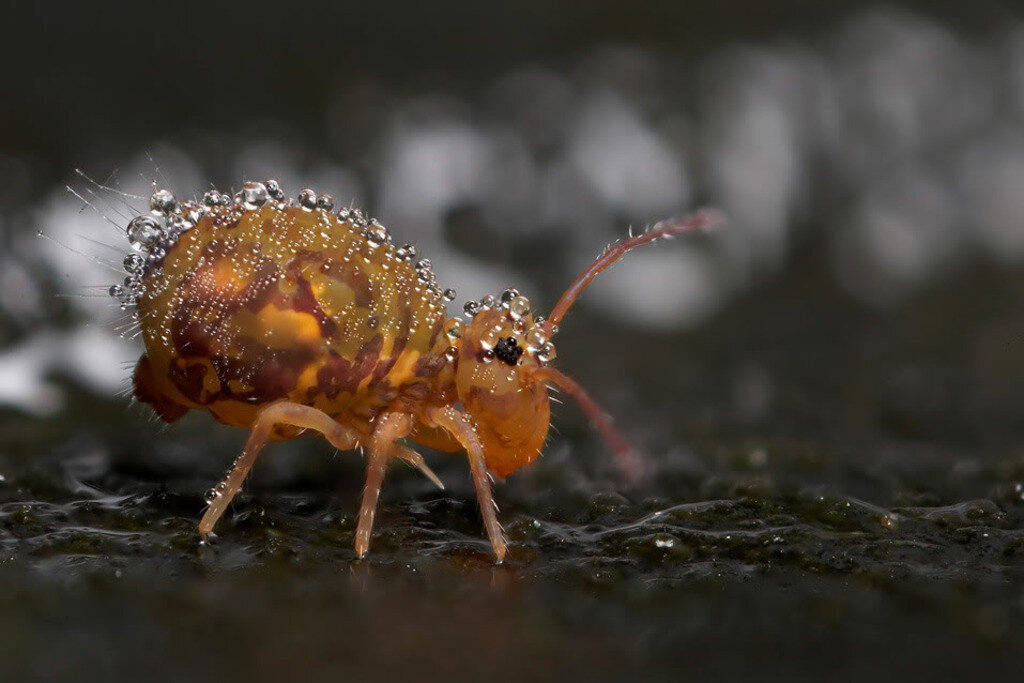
x=508 y=295
x=144 y=232
x=307 y=199
x=211 y=496
x=274 y=190
x=453 y=329
x=176 y=225
x=536 y=339
x=358 y=218
x=406 y=252
x=325 y=202
x=547 y=353
x=423 y=264
x=450 y=294
x=375 y=234
x=451 y=353
x=519 y=307
x=254 y=195
x=490 y=339
x=471 y=308
x=487 y=356
x=664 y=541
x=162 y=202
x=488 y=301
x=116 y=291
x=133 y=263
x=214 y=198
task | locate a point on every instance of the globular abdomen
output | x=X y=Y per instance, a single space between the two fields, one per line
x=279 y=302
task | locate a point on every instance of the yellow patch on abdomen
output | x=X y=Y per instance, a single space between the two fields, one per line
x=281 y=328
x=402 y=370
x=307 y=379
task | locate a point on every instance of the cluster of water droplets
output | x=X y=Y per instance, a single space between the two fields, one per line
x=153 y=234
x=516 y=309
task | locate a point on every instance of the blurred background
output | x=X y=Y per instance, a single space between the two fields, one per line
x=835 y=381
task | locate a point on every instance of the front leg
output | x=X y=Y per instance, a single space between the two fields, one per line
x=461 y=427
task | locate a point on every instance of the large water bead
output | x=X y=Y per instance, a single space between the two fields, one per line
x=307 y=199
x=274 y=190
x=133 y=263
x=453 y=329
x=162 y=202
x=325 y=202
x=536 y=339
x=254 y=195
x=519 y=307
x=144 y=232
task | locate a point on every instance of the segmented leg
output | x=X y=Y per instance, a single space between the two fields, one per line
x=461 y=427
x=297 y=415
x=282 y=412
x=390 y=426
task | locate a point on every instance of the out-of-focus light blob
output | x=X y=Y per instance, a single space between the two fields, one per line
x=1015 y=69
x=96 y=358
x=428 y=169
x=633 y=170
x=23 y=382
x=754 y=149
x=902 y=232
x=19 y=294
x=511 y=197
x=536 y=104
x=906 y=85
x=570 y=203
x=992 y=174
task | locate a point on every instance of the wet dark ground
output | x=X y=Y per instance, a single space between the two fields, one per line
x=837 y=493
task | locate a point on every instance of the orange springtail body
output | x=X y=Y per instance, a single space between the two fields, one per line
x=285 y=316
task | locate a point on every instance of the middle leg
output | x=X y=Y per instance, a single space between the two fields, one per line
x=390 y=426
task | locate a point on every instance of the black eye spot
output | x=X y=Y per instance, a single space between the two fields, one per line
x=507 y=350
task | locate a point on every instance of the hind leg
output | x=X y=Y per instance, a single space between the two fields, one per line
x=282 y=412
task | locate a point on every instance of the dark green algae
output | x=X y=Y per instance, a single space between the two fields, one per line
x=834 y=492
